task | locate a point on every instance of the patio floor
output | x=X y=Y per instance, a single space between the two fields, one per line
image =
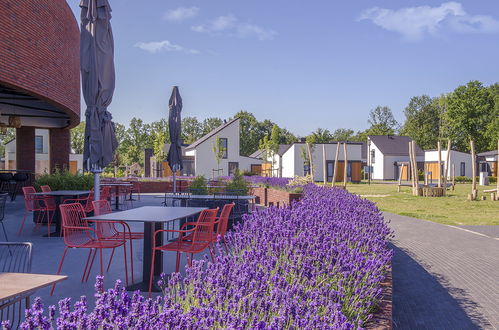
x=47 y=254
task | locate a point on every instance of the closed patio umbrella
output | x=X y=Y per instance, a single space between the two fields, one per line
x=174 y=157
x=97 y=75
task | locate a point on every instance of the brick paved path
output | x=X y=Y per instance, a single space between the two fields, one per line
x=444 y=277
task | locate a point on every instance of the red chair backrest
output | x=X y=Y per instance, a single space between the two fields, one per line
x=101 y=207
x=106 y=229
x=29 y=199
x=104 y=193
x=224 y=219
x=45 y=188
x=49 y=200
x=73 y=216
x=205 y=224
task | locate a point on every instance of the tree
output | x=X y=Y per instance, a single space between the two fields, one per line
x=286 y=137
x=492 y=129
x=78 y=138
x=218 y=150
x=209 y=124
x=249 y=135
x=136 y=139
x=7 y=135
x=342 y=134
x=191 y=130
x=422 y=121
x=320 y=135
x=382 y=121
x=470 y=109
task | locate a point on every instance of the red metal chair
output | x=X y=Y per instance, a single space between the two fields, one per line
x=86 y=202
x=36 y=204
x=79 y=235
x=200 y=240
x=105 y=193
x=221 y=229
x=109 y=230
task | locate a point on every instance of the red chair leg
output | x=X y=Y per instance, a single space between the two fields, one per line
x=152 y=271
x=22 y=223
x=59 y=269
x=86 y=266
x=110 y=259
x=126 y=263
x=177 y=265
x=91 y=265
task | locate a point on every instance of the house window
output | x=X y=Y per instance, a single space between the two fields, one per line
x=225 y=146
x=372 y=156
x=463 y=169
x=39 y=144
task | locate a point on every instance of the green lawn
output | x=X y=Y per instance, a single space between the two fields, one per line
x=453 y=209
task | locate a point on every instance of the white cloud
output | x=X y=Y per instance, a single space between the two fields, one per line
x=231 y=25
x=154 y=47
x=180 y=14
x=413 y=23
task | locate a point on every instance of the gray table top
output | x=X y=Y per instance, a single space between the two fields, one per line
x=150 y=214
x=63 y=193
x=187 y=196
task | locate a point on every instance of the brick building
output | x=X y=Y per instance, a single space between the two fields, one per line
x=39 y=76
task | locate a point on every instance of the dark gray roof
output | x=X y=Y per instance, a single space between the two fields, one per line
x=212 y=133
x=488 y=153
x=393 y=145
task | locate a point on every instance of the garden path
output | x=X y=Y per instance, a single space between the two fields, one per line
x=444 y=277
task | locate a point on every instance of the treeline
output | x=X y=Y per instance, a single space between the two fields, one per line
x=469 y=112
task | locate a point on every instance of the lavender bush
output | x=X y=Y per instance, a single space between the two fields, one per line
x=316 y=264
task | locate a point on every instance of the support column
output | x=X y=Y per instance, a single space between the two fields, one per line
x=59 y=141
x=25 y=149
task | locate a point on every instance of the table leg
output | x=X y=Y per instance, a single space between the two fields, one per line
x=149 y=229
x=117 y=198
x=57 y=219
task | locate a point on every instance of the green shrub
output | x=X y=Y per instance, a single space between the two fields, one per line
x=64 y=180
x=199 y=186
x=492 y=179
x=238 y=185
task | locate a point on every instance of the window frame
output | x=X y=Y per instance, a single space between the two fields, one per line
x=37 y=139
x=225 y=148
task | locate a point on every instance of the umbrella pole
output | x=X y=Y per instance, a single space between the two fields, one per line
x=97 y=171
x=174 y=180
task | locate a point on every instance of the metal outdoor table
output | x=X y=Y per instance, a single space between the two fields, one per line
x=58 y=194
x=153 y=218
x=117 y=186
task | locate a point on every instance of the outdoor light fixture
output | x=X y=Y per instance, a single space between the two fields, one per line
x=15 y=121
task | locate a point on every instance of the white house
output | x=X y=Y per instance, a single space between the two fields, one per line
x=289 y=162
x=41 y=154
x=386 y=154
x=459 y=163
x=489 y=162
x=205 y=162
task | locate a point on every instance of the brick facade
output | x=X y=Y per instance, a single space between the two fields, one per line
x=39 y=52
x=59 y=149
x=25 y=149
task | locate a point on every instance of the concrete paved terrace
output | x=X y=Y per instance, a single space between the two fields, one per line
x=47 y=254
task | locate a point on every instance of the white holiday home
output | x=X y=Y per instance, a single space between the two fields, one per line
x=205 y=162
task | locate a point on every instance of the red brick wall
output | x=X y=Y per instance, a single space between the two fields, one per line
x=25 y=149
x=59 y=141
x=39 y=52
x=280 y=198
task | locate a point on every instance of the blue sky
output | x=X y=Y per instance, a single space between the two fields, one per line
x=302 y=64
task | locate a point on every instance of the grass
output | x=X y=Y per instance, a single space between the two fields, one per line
x=453 y=209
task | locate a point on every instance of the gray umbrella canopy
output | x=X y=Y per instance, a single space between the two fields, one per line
x=97 y=74
x=174 y=157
